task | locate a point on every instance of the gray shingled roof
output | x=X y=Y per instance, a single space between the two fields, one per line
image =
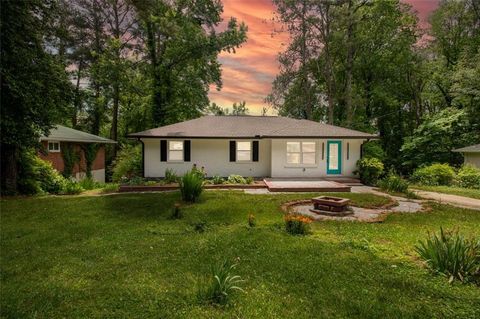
x=469 y=149
x=251 y=127
x=65 y=134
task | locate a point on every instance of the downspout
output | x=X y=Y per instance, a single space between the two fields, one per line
x=143 y=157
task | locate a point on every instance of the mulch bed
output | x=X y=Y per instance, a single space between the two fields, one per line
x=169 y=187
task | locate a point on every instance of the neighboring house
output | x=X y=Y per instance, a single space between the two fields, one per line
x=62 y=138
x=257 y=146
x=471 y=154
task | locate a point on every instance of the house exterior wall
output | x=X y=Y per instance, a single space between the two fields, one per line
x=473 y=159
x=213 y=154
x=79 y=169
x=280 y=167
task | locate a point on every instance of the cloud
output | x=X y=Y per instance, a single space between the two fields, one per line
x=248 y=74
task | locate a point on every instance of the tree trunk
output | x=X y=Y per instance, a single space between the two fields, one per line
x=77 y=100
x=114 y=129
x=9 y=169
x=349 y=65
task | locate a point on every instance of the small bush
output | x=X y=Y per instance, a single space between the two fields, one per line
x=433 y=175
x=128 y=163
x=220 y=284
x=370 y=170
x=373 y=149
x=297 y=224
x=177 y=211
x=451 y=254
x=150 y=183
x=249 y=180
x=217 y=180
x=89 y=183
x=72 y=187
x=393 y=183
x=251 y=220
x=134 y=180
x=191 y=186
x=110 y=188
x=468 y=176
x=170 y=176
x=236 y=179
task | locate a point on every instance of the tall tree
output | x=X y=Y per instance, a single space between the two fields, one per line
x=34 y=84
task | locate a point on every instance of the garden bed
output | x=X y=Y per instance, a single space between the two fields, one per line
x=169 y=187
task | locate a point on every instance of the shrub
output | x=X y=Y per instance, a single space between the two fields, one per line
x=297 y=224
x=249 y=180
x=170 y=176
x=134 y=180
x=451 y=254
x=221 y=284
x=128 y=163
x=89 y=183
x=72 y=187
x=433 y=175
x=110 y=188
x=191 y=186
x=373 y=149
x=236 y=179
x=217 y=180
x=468 y=176
x=393 y=183
x=370 y=170
x=251 y=220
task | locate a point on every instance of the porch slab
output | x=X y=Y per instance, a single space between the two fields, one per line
x=289 y=185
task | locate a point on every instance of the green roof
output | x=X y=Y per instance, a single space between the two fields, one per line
x=469 y=149
x=65 y=134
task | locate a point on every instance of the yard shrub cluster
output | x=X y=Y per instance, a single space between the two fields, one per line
x=467 y=176
x=191 y=186
x=393 y=183
x=128 y=164
x=452 y=255
x=170 y=176
x=221 y=284
x=297 y=224
x=370 y=170
x=236 y=179
x=218 y=180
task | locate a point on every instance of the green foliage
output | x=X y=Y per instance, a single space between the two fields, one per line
x=221 y=284
x=236 y=179
x=297 y=224
x=434 y=140
x=373 y=149
x=170 y=176
x=393 y=183
x=72 y=187
x=110 y=188
x=191 y=186
x=249 y=180
x=217 y=180
x=370 y=170
x=435 y=174
x=449 y=253
x=89 y=183
x=468 y=176
x=252 y=222
x=38 y=176
x=134 y=180
x=128 y=163
x=70 y=158
x=90 y=153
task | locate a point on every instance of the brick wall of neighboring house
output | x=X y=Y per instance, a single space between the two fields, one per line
x=57 y=160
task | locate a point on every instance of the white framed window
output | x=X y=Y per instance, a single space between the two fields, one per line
x=244 y=151
x=53 y=147
x=301 y=153
x=175 y=151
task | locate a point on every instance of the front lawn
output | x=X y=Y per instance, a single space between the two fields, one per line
x=467 y=192
x=121 y=256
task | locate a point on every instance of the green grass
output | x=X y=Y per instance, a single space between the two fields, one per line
x=467 y=192
x=121 y=256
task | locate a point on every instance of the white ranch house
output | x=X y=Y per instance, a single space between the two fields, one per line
x=256 y=146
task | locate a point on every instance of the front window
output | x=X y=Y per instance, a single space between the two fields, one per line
x=301 y=152
x=175 y=150
x=244 y=151
x=54 y=147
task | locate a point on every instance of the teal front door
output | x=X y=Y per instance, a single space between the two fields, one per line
x=334 y=157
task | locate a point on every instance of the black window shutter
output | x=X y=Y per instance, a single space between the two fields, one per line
x=186 y=151
x=163 y=150
x=255 y=151
x=233 y=150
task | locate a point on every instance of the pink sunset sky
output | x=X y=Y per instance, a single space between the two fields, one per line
x=248 y=74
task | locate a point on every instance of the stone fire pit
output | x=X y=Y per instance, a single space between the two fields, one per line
x=331 y=206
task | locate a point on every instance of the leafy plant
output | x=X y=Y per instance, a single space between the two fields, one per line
x=433 y=175
x=217 y=180
x=128 y=163
x=191 y=186
x=373 y=149
x=170 y=176
x=89 y=183
x=134 y=180
x=200 y=226
x=150 y=183
x=70 y=158
x=370 y=170
x=393 y=183
x=221 y=284
x=236 y=179
x=451 y=254
x=251 y=220
x=110 y=188
x=297 y=224
x=249 y=180
x=90 y=153
x=468 y=176
x=72 y=187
